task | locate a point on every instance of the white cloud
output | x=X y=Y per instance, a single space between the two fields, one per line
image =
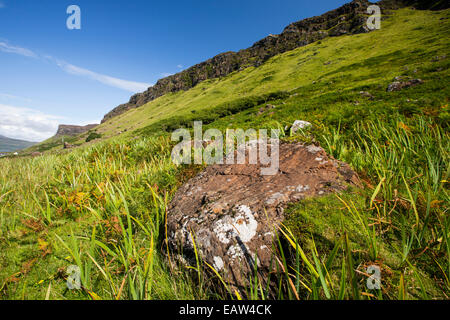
x=85 y=123
x=131 y=86
x=166 y=74
x=180 y=66
x=27 y=124
x=5 y=47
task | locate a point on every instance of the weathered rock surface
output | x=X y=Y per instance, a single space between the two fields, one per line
x=399 y=85
x=70 y=130
x=233 y=212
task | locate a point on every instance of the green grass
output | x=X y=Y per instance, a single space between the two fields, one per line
x=103 y=205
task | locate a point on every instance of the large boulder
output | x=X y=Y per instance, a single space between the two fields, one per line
x=231 y=212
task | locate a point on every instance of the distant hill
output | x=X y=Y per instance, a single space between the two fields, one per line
x=71 y=130
x=8 y=144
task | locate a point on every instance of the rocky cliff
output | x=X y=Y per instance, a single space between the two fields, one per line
x=348 y=19
x=69 y=130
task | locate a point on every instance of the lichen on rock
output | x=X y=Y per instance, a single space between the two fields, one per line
x=232 y=212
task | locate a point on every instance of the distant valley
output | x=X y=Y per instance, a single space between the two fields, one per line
x=9 y=145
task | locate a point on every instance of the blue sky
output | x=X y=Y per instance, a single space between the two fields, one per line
x=51 y=75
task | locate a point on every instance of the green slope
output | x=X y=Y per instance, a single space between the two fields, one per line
x=407 y=39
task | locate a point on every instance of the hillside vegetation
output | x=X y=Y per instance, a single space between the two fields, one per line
x=102 y=206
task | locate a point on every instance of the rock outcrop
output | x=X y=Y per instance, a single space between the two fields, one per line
x=231 y=212
x=69 y=130
x=68 y=145
x=399 y=84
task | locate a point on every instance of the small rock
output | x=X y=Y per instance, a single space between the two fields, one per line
x=367 y=95
x=438 y=58
x=68 y=145
x=264 y=109
x=300 y=124
x=399 y=85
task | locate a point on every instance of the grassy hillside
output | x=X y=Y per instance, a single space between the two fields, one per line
x=409 y=39
x=8 y=144
x=102 y=206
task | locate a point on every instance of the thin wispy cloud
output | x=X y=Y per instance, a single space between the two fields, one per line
x=131 y=86
x=27 y=124
x=5 y=47
x=7 y=96
x=2 y=5
x=166 y=74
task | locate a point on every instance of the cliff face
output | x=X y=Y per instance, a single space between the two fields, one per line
x=348 y=19
x=69 y=130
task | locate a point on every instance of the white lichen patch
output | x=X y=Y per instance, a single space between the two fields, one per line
x=313 y=149
x=243 y=225
x=302 y=188
x=218 y=263
x=274 y=197
x=300 y=124
x=235 y=252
